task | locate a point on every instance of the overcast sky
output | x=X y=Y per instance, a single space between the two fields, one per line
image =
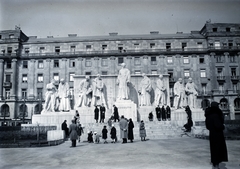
x=59 y=18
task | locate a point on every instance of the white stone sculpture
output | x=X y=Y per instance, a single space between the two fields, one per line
x=85 y=92
x=144 y=91
x=122 y=80
x=179 y=94
x=64 y=96
x=160 y=92
x=191 y=91
x=98 y=91
x=51 y=97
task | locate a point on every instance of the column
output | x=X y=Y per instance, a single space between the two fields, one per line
x=145 y=65
x=31 y=79
x=79 y=66
x=1 y=78
x=112 y=66
x=63 y=69
x=129 y=64
x=96 y=66
x=14 y=79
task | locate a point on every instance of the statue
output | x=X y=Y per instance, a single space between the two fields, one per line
x=179 y=94
x=98 y=91
x=85 y=92
x=64 y=93
x=144 y=91
x=160 y=92
x=122 y=80
x=191 y=91
x=51 y=97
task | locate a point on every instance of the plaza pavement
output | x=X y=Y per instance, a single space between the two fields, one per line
x=175 y=153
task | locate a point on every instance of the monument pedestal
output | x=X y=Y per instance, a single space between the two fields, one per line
x=127 y=108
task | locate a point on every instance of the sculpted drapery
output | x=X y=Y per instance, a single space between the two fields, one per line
x=160 y=92
x=144 y=91
x=98 y=92
x=64 y=93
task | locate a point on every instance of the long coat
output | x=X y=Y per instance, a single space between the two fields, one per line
x=113 y=132
x=142 y=130
x=215 y=124
x=123 y=128
x=73 y=131
x=96 y=113
x=130 y=130
x=104 y=133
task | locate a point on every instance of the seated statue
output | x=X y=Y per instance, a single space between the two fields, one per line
x=51 y=98
x=85 y=92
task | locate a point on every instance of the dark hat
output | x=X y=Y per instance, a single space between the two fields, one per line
x=214 y=104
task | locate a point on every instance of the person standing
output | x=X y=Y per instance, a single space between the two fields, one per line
x=77 y=117
x=158 y=113
x=79 y=131
x=130 y=130
x=102 y=113
x=113 y=133
x=73 y=133
x=104 y=134
x=163 y=113
x=215 y=124
x=123 y=124
x=65 y=128
x=123 y=80
x=168 y=112
x=96 y=114
x=189 y=124
x=115 y=113
x=142 y=131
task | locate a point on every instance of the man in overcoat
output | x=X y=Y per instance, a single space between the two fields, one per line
x=73 y=133
x=123 y=124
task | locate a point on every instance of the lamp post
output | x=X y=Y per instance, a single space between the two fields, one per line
x=24 y=104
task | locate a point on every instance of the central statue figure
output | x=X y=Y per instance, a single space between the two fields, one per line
x=122 y=80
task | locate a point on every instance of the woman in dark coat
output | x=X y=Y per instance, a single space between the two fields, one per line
x=163 y=113
x=73 y=133
x=104 y=134
x=96 y=113
x=113 y=133
x=130 y=130
x=215 y=124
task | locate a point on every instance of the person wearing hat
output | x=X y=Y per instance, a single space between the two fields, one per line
x=64 y=96
x=123 y=124
x=191 y=91
x=73 y=133
x=113 y=133
x=215 y=124
x=142 y=131
x=123 y=80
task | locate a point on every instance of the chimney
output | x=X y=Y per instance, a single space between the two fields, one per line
x=49 y=36
x=72 y=35
x=154 y=32
x=113 y=34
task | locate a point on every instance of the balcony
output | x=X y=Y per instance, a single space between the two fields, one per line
x=221 y=79
x=235 y=79
x=7 y=84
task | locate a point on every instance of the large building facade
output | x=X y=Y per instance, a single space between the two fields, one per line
x=211 y=57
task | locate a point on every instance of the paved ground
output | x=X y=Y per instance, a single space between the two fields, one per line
x=178 y=153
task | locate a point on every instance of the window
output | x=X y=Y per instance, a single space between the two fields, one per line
x=24 y=93
x=26 y=50
x=136 y=46
x=168 y=46
x=235 y=87
x=0 y=36
x=72 y=49
x=7 y=93
x=40 y=78
x=8 y=78
x=88 y=47
x=25 y=64
x=201 y=60
x=39 y=93
x=221 y=88
x=88 y=62
x=233 y=72
x=169 y=59
x=71 y=78
x=137 y=72
x=9 y=50
x=57 y=49
x=185 y=59
x=104 y=47
x=153 y=60
x=214 y=29
x=203 y=73
x=186 y=73
x=228 y=29
x=217 y=44
x=41 y=49
x=56 y=76
x=24 y=78
x=154 y=72
x=204 y=88
x=152 y=45
x=120 y=60
x=137 y=61
x=120 y=47
x=104 y=73
x=40 y=64
x=88 y=73
x=232 y=59
x=230 y=45
x=170 y=73
x=11 y=36
x=56 y=63
x=220 y=72
x=9 y=65
x=219 y=59
x=104 y=62
x=184 y=45
x=210 y=45
x=72 y=62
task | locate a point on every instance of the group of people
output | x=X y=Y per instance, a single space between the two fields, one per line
x=102 y=110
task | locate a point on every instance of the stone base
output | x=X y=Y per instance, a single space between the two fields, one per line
x=127 y=108
x=144 y=112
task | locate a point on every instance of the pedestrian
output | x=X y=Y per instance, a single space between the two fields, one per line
x=150 y=116
x=113 y=133
x=115 y=113
x=73 y=133
x=102 y=113
x=79 y=131
x=215 y=124
x=130 y=130
x=163 y=113
x=123 y=124
x=96 y=114
x=65 y=128
x=76 y=117
x=110 y=122
x=142 y=131
x=97 y=138
x=158 y=113
x=90 y=137
x=104 y=134
x=189 y=124
x=168 y=112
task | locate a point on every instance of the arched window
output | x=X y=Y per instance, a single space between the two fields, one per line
x=23 y=110
x=237 y=103
x=223 y=103
x=5 y=110
x=38 y=109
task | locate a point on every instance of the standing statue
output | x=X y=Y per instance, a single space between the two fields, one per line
x=144 y=91
x=85 y=92
x=98 y=91
x=122 y=80
x=179 y=94
x=51 y=97
x=191 y=91
x=160 y=92
x=64 y=94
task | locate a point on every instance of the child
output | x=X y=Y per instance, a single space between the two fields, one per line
x=104 y=134
x=97 y=137
x=113 y=134
x=90 y=137
x=79 y=131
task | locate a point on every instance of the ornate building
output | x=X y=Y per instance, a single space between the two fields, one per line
x=211 y=57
